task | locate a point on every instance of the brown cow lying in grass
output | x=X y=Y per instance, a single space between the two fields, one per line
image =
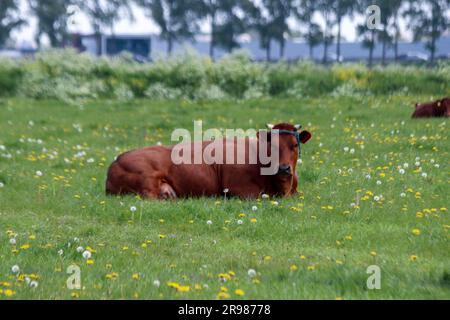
x=439 y=108
x=151 y=172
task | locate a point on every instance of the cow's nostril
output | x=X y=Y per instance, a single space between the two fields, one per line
x=284 y=169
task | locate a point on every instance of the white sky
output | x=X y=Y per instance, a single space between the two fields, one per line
x=140 y=25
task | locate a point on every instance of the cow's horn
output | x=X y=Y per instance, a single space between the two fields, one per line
x=270 y=126
x=297 y=126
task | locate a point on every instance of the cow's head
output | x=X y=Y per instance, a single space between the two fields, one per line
x=445 y=103
x=289 y=138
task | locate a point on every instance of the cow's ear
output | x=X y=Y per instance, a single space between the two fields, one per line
x=305 y=136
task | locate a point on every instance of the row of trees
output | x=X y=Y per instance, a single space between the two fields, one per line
x=181 y=19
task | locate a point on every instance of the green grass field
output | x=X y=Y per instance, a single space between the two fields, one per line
x=374 y=188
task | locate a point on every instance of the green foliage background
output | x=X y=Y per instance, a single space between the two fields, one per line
x=71 y=77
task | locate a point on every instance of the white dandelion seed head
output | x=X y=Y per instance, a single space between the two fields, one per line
x=299 y=161
x=240 y=221
x=15 y=268
x=2 y=184
x=402 y=194
x=27 y=280
x=368 y=176
x=156 y=283
x=80 y=249
x=424 y=174
x=376 y=198
x=254 y=208
x=39 y=173
x=251 y=273
x=378 y=182
x=60 y=252
x=401 y=171
x=275 y=203
x=265 y=196
x=437 y=165
x=133 y=209
x=12 y=241
x=432 y=161
x=34 y=284
x=406 y=165
x=209 y=222
x=87 y=254
x=352 y=151
x=417 y=164
x=346 y=149
x=225 y=190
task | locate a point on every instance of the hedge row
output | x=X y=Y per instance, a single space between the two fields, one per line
x=69 y=76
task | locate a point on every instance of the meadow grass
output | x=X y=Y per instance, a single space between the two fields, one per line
x=373 y=189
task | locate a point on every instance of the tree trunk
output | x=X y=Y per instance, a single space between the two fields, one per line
x=396 y=38
x=338 y=39
x=371 y=48
x=325 y=52
x=325 y=43
x=268 y=51
x=433 y=36
x=213 y=40
x=282 y=43
x=383 y=55
x=432 y=49
x=169 y=45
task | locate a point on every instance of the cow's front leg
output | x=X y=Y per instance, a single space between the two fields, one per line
x=294 y=185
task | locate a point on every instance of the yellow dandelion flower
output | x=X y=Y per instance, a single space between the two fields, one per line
x=239 y=292
x=9 y=292
x=416 y=232
x=373 y=253
x=413 y=257
x=293 y=268
x=302 y=257
x=89 y=262
x=135 y=276
x=253 y=220
x=25 y=246
x=223 y=295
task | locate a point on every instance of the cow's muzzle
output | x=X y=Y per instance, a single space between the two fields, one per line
x=284 y=169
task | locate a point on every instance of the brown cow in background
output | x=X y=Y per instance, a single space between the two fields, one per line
x=439 y=108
